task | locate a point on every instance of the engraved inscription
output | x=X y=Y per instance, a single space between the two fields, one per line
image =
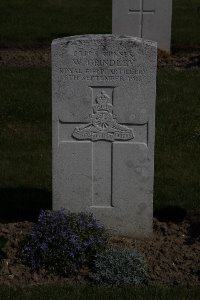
x=94 y=74
x=114 y=64
x=103 y=125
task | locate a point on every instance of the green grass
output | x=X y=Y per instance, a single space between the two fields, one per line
x=25 y=127
x=186 y=24
x=33 y=22
x=177 y=171
x=26 y=133
x=70 y=293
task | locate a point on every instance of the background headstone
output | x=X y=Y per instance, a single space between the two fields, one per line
x=148 y=19
x=104 y=90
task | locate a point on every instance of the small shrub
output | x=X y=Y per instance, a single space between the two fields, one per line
x=116 y=266
x=63 y=242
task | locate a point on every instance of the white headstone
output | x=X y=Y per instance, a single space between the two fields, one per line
x=104 y=90
x=148 y=19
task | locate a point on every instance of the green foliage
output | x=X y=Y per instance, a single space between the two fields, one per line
x=63 y=242
x=116 y=266
x=3 y=242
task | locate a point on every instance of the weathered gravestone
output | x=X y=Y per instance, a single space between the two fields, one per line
x=104 y=90
x=148 y=19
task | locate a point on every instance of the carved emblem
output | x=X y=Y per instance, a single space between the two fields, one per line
x=103 y=125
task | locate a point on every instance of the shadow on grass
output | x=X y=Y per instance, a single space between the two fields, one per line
x=23 y=204
x=170 y=213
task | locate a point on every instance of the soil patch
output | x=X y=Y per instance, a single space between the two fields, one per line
x=172 y=255
x=25 y=57
x=180 y=60
x=42 y=57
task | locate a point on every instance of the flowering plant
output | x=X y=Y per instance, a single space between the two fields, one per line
x=63 y=242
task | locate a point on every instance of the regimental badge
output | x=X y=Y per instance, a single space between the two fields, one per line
x=103 y=125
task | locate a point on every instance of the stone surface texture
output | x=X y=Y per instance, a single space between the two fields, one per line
x=148 y=19
x=104 y=90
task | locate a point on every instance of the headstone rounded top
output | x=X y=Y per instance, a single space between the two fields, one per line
x=111 y=37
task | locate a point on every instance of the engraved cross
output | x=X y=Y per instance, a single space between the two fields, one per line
x=141 y=13
x=104 y=135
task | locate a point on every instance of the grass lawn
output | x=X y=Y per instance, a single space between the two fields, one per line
x=28 y=22
x=66 y=293
x=186 y=24
x=177 y=168
x=26 y=127
x=26 y=135
x=41 y=21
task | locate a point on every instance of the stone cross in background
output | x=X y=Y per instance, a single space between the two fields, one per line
x=104 y=90
x=141 y=13
x=148 y=19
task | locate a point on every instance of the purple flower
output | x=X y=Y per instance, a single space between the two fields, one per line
x=62 y=241
x=43 y=246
